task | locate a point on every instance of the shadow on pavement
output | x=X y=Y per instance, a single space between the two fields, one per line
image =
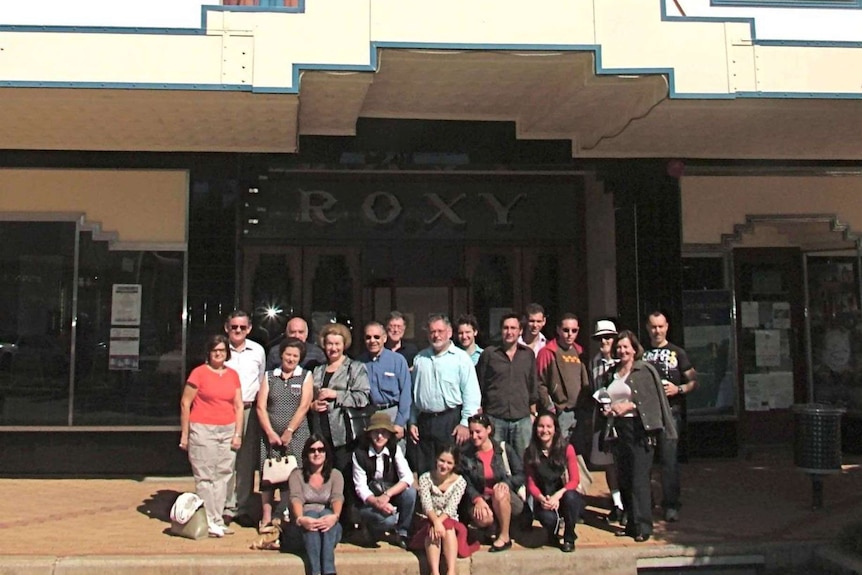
x=158 y=505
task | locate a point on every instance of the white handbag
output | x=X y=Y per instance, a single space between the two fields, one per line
x=277 y=468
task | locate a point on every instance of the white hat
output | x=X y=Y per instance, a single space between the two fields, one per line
x=604 y=327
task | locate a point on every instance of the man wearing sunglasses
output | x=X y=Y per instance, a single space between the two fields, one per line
x=388 y=376
x=564 y=384
x=248 y=359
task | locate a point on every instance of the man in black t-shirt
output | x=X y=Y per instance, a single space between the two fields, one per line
x=679 y=379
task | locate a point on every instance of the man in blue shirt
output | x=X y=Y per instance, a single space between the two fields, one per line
x=468 y=329
x=388 y=376
x=445 y=393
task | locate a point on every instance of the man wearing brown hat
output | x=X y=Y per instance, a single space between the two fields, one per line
x=383 y=482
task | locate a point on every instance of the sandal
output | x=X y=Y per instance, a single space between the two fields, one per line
x=266 y=528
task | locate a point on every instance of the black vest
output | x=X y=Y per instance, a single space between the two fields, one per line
x=390 y=474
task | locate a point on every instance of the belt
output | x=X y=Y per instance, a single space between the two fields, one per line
x=382 y=406
x=439 y=413
x=248 y=404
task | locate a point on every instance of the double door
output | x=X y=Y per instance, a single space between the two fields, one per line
x=353 y=285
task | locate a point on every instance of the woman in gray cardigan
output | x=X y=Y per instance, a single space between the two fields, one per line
x=641 y=413
x=341 y=383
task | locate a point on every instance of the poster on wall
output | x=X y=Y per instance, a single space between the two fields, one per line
x=126 y=304
x=124 y=349
x=767 y=347
x=756 y=392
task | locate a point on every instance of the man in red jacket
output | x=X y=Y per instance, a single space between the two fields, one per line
x=564 y=384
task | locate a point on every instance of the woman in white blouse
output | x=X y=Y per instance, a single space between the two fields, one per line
x=440 y=492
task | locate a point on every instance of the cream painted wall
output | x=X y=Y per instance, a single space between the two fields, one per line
x=712 y=205
x=260 y=48
x=148 y=206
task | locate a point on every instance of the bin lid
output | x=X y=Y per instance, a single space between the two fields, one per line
x=818 y=409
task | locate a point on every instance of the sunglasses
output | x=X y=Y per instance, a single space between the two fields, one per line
x=316 y=450
x=373 y=336
x=237 y=327
x=480 y=418
x=570 y=330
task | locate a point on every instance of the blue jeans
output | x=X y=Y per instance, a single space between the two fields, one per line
x=320 y=547
x=378 y=523
x=516 y=433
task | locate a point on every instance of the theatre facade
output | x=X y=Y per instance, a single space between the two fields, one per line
x=337 y=160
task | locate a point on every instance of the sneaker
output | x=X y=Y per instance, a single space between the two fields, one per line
x=214 y=530
x=671 y=515
x=616 y=515
x=227 y=530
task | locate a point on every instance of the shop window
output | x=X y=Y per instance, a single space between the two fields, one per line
x=836 y=321
x=36 y=297
x=111 y=366
x=708 y=334
x=128 y=370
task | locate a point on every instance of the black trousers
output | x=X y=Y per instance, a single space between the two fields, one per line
x=435 y=431
x=633 y=454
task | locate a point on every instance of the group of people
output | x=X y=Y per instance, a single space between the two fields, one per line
x=492 y=435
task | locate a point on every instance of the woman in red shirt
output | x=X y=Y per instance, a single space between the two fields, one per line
x=552 y=481
x=211 y=413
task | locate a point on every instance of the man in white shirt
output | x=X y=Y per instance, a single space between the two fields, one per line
x=532 y=335
x=248 y=359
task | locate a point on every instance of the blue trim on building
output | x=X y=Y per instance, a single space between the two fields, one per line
x=823 y=5
x=129 y=85
x=857 y=4
x=298 y=68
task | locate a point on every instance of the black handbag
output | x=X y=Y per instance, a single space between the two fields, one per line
x=356 y=420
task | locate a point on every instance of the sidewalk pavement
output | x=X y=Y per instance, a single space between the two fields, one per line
x=753 y=507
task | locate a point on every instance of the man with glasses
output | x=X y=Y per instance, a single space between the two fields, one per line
x=507 y=381
x=298 y=328
x=396 y=327
x=248 y=359
x=388 y=376
x=564 y=384
x=445 y=393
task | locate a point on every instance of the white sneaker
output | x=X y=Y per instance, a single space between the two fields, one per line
x=215 y=530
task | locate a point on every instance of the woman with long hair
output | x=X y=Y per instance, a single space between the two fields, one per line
x=316 y=502
x=282 y=403
x=641 y=412
x=211 y=418
x=552 y=480
x=440 y=491
x=492 y=484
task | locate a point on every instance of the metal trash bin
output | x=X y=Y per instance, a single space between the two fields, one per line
x=817 y=443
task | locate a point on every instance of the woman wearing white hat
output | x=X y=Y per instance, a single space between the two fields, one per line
x=601 y=365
